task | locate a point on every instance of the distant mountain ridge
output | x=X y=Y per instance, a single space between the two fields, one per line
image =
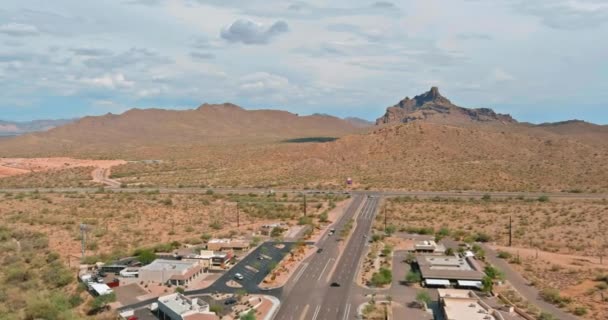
x=149 y=128
x=431 y=106
x=12 y=128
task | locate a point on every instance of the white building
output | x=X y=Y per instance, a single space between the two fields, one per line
x=175 y=272
x=465 y=305
x=179 y=307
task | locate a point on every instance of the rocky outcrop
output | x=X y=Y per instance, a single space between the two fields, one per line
x=432 y=105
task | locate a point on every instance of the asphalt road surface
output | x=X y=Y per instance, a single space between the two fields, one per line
x=311 y=296
x=385 y=193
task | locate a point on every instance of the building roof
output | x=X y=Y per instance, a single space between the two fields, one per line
x=201 y=316
x=229 y=243
x=447 y=267
x=176 y=265
x=188 y=274
x=183 y=305
x=464 y=305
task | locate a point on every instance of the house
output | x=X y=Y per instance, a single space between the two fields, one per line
x=227 y=244
x=175 y=272
x=446 y=271
x=465 y=305
x=429 y=246
x=179 y=307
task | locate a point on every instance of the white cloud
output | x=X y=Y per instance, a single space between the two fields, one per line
x=500 y=75
x=262 y=82
x=109 y=81
x=19 y=30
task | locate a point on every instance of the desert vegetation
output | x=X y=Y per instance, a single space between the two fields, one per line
x=73 y=177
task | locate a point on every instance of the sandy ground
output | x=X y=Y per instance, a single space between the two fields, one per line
x=16 y=166
x=564 y=260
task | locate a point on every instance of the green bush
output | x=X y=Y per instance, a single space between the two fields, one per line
x=146 y=256
x=413 y=277
x=504 y=255
x=553 y=296
x=383 y=277
x=580 y=311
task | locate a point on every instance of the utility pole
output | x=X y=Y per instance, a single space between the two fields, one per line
x=238 y=222
x=305 y=204
x=385 y=219
x=83 y=235
x=510 y=231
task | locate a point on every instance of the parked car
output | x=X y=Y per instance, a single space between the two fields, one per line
x=319 y=250
x=238 y=276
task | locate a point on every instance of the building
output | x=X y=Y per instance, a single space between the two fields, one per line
x=465 y=305
x=429 y=246
x=179 y=307
x=227 y=244
x=175 y=272
x=446 y=271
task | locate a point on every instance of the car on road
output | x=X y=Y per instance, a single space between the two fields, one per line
x=334 y=284
x=238 y=276
x=261 y=257
x=319 y=250
x=230 y=301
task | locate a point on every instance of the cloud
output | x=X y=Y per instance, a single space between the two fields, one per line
x=149 y=3
x=91 y=52
x=19 y=30
x=202 y=55
x=473 y=36
x=566 y=14
x=383 y=4
x=500 y=75
x=249 y=32
x=262 y=82
x=133 y=57
x=109 y=81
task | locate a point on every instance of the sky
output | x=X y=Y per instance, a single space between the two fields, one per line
x=538 y=60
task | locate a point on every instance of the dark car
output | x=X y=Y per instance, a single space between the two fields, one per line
x=319 y=250
x=230 y=301
x=334 y=284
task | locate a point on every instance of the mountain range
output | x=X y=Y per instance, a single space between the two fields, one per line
x=13 y=128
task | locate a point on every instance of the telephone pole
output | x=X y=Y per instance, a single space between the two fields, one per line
x=385 y=219
x=238 y=222
x=305 y=204
x=83 y=235
x=510 y=231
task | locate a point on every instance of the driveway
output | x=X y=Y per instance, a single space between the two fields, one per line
x=529 y=292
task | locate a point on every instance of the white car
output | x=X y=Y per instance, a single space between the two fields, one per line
x=238 y=276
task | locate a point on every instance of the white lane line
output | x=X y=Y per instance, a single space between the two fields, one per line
x=317 y=309
x=346 y=312
x=323 y=271
x=300 y=272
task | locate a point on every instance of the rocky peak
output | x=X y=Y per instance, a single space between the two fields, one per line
x=431 y=105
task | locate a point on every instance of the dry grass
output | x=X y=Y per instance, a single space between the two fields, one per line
x=569 y=234
x=73 y=177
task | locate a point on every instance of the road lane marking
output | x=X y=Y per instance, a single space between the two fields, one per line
x=323 y=271
x=316 y=314
x=346 y=312
x=305 y=265
x=304 y=312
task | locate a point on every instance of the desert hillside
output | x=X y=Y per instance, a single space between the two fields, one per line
x=412 y=156
x=139 y=129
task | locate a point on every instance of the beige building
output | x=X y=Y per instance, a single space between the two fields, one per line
x=227 y=244
x=429 y=246
x=465 y=305
x=446 y=271
x=175 y=272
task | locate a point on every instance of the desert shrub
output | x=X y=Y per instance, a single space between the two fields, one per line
x=504 y=255
x=553 y=296
x=413 y=277
x=580 y=311
x=146 y=256
x=383 y=277
x=482 y=237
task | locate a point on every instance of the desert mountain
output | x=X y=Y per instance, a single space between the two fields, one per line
x=208 y=124
x=13 y=128
x=359 y=122
x=431 y=106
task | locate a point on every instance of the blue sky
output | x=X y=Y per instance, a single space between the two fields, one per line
x=539 y=60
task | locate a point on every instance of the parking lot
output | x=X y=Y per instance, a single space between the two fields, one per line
x=254 y=268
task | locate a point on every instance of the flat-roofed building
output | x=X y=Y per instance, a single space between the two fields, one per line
x=429 y=246
x=175 y=272
x=227 y=244
x=179 y=307
x=465 y=305
x=449 y=271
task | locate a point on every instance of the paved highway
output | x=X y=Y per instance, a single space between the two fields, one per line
x=310 y=296
x=385 y=193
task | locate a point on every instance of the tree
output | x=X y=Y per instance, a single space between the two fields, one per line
x=382 y=277
x=449 y=252
x=100 y=302
x=423 y=298
x=146 y=256
x=413 y=277
x=248 y=316
x=493 y=273
x=390 y=229
x=323 y=216
x=487 y=284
